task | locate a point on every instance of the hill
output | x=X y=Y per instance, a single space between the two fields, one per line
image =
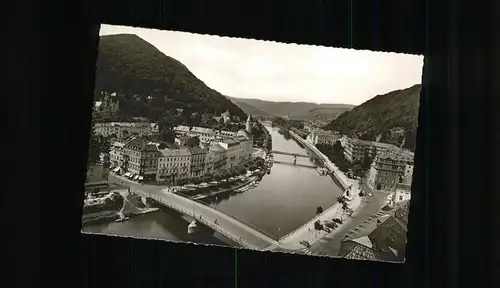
x=297 y=110
x=392 y=117
x=152 y=84
x=325 y=113
x=249 y=109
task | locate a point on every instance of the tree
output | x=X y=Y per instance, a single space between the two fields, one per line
x=217 y=177
x=319 y=210
x=192 y=142
x=162 y=146
x=367 y=160
x=344 y=206
x=241 y=170
x=182 y=182
x=207 y=178
x=195 y=180
x=167 y=136
x=340 y=199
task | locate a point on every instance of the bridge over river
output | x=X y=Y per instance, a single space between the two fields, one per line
x=246 y=235
x=291 y=154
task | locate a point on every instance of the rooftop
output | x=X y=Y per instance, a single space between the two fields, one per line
x=175 y=152
x=394 y=156
x=217 y=148
x=202 y=130
x=387 y=242
x=230 y=142
x=372 y=143
x=196 y=150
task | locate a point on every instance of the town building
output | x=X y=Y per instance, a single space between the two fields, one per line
x=115 y=154
x=140 y=159
x=197 y=165
x=206 y=135
x=173 y=165
x=109 y=105
x=216 y=159
x=388 y=171
x=124 y=129
x=387 y=242
x=356 y=149
x=226 y=116
x=233 y=151
x=324 y=137
x=308 y=126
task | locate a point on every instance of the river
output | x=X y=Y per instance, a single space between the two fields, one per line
x=282 y=202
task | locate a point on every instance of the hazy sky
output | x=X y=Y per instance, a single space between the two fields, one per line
x=275 y=71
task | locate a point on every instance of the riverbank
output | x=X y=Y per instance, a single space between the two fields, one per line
x=111 y=216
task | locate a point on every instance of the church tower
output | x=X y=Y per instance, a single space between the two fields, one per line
x=249 y=125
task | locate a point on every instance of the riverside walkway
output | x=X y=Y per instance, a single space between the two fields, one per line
x=341 y=177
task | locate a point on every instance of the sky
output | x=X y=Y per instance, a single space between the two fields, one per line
x=273 y=71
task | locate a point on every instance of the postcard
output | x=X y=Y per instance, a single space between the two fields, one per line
x=252 y=144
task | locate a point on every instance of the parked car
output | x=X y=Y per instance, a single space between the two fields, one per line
x=326 y=229
x=337 y=220
x=331 y=225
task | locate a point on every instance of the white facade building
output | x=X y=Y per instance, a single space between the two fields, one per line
x=206 y=135
x=173 y=165
x=233 y=151
x=123 y=129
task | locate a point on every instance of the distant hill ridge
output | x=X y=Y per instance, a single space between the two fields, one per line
x=151 y=83
x=392 y=117
x=297 y=110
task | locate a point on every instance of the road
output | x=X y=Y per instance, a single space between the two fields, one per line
x=307 y=231
x=330 y=244
x=249 y=237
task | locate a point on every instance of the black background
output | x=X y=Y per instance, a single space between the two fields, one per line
x=49 y=60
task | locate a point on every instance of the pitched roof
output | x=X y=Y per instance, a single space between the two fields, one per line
x=402 y=214
x=217 y=148
x=230 y=142
x=389 y=237
x=175 y=152
x=387 y=242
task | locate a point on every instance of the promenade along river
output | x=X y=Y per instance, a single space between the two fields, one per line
x=283 y=201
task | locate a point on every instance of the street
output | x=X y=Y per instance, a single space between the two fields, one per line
x=330 y=244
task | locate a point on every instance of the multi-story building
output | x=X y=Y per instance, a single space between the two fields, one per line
x=140 y=158
x=355 y=149
x=108 y=106
x=173 y=165
x=388 y=171
x=115 y=155
x=197 y=161
x=324 y=137
x=124 y=129
x=233 y=152
x=206 y=135
x=244 y=137
x=226 y=116
x=403 y=190
x=218 y=159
